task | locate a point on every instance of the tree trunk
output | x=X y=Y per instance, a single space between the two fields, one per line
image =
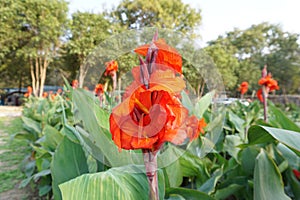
x=43 y=72
x=33 y=80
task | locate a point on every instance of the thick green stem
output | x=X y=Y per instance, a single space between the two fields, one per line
x=150 y=160
x=265 y=98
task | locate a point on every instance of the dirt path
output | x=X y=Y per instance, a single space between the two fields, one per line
x=10 y=111
x=7 y=167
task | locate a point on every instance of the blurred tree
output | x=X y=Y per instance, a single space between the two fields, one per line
x=226 y=63
x=34 y=34
x=172 y=14
x=86 y=31
x=265 y=44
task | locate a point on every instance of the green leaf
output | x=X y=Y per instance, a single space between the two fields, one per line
x=264 y=134
x=281 y=120
x=267 y=179
x=68 y=162
x=186 y=102
x=32 y=124
x=96 y=136
x=188 y=194
x=247 y=157
x=52 y=138
x=227 y=191
x=203 y=104
x=231 y=145
x=238 y=123
x=209 y=186
x=289 y=155
x=173 y=174
x=128 y=182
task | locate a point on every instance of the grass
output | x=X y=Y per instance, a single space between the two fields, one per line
x=12 y=152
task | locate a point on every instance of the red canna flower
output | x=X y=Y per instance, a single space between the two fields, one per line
x=75 y=84
x=270 y=83
x=166 y=56
x=151 y=114
x=45 y=94
x=29 y=90
x=111 y=68
x=59 y=91
x=99 y=89
x=260 y=95
x=147 y=119
x=296 y=173
x=243 y=87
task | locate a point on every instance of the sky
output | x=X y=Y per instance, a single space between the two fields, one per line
x=221 y=16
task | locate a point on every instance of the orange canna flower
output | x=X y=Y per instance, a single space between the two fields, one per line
x=45 y=94
x=111 y=68
x=260 y=95
x=167 y=56
x=26 y=95
x=148 y=119
x=29 y=90
x=99 y=89
x=151 y=112
x=59 y=91
x=243 y=87
x=53 y=96
x=75 y=84
x=270 y=83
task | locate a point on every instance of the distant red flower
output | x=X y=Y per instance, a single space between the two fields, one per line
x=75 y=84
x=260 y=95
x=29 y=90
x=243 y=87
x=296 y=173
x=86 y=88
x=270 y=83
x=59 y=91
x=26 y=95
x=99 y=89
x=111 y=68
x=53 y=96
x=167 y=56
x=45 y=94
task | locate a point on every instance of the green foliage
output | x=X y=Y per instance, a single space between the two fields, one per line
x=259 y=45
x=172 y=14
x=128 y=182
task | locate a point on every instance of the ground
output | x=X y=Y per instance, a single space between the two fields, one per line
x=12 y=152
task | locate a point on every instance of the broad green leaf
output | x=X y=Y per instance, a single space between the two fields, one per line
x=227 y=191
x=32 y=124
x=289 y=155
x=267 y=179
x=238 y=123
x=186 y=102
x=52 y=138
x=173 y=174
x=96 y=134
x=264 y=134
x=209 y=186
x=203 y=104
x=231 y=145
x=128 y=182
x=188 y=194
x=281 y=120
x=68 y=162
x=247 y=158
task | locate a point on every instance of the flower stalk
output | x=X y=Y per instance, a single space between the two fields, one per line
x=150 y=160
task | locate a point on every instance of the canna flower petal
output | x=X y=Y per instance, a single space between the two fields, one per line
x=167 y=55
x=260 y=95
